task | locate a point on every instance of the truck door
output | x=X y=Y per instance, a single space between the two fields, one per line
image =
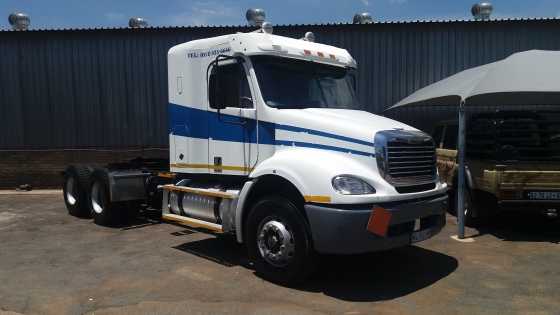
x=232 y=145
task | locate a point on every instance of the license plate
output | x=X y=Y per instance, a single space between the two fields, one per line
x=420 y=236
x=543 y=195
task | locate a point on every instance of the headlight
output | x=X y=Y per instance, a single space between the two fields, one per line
x=350 y=185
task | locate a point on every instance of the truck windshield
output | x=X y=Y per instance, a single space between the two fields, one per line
x=292 y=83
x=521 y=136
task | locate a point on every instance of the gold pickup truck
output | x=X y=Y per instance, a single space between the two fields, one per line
x=512 y=162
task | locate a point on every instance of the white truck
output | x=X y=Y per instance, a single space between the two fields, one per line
x=268 y=143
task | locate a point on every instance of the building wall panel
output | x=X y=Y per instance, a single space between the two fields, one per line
x=107 y=88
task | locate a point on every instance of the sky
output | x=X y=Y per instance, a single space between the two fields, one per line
x=114 y=13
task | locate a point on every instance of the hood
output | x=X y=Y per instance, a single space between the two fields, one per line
x=354 y=124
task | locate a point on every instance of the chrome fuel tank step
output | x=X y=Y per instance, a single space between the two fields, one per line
x=195 y=206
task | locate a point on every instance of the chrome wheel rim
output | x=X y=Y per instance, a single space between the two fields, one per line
x=71 y=191
x=276 y=243
x=97 y=198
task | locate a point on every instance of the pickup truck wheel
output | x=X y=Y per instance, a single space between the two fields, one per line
x=470 y=219
x=75 y=190
x=470 y=208
x=278 y=242
x=104 y=211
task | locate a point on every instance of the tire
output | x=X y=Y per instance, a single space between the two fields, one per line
x=272 y=223
x=103 y=211
x=154 y=196
x=76 y=190
x=472 y=211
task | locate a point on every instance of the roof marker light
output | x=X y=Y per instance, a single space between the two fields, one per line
x=307 y=52
x=320 y=54
x=309 y=37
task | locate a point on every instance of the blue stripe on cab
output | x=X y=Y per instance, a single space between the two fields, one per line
x=196 y=123
x=323 y=134
x=321 y=146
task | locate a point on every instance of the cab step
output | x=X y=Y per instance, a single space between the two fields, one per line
x=191 y=222
x=210 y=192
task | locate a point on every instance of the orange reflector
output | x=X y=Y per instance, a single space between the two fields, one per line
x=320 y=54
x=307 y=52
x=333 y=57
x=379 y=221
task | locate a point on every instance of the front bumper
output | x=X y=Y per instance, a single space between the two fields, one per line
x=342 y=230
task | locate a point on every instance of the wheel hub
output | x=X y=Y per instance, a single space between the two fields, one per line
x=276 y=243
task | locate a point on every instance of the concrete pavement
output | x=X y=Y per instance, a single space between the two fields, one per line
x=52 y=263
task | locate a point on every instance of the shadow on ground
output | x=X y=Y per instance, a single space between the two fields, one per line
x=223 y=250
x=368 y=277
x=518 y=227
x=380 y=276
x=371 y=277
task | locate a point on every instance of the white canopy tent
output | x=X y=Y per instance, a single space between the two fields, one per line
x=525 y=78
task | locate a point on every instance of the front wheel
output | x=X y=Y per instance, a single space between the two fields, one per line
x=278 y=241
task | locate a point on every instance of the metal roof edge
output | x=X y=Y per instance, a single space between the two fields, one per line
x=248 y=28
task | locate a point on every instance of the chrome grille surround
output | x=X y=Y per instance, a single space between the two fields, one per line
x=406 y=158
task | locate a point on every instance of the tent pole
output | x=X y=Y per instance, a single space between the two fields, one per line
x=461 y=176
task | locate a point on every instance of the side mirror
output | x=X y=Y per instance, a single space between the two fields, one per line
x=222 y=89
x=213 y=89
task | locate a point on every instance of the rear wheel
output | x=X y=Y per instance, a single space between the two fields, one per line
x=278 y=241
x=104 y=211
x=75 y=190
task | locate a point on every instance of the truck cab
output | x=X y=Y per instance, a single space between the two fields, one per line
x=279 y=120
x=268 y=143
x=512 y=162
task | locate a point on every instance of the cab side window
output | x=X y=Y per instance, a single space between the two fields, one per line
x=450 y=138
x=228 y=86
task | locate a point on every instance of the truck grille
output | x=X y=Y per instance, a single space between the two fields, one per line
x=406 y=159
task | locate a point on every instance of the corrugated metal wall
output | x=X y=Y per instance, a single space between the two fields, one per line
x=108 y=87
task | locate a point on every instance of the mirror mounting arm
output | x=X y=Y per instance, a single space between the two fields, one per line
x=242 y=122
